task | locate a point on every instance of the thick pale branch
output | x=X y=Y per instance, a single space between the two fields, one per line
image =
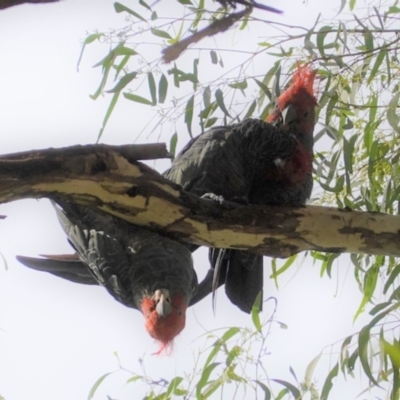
x=102 y=178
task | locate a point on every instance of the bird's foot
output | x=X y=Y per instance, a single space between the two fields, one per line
x=214 y=197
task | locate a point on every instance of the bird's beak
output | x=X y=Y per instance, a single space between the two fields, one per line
x=289 y=114
x=163 y=302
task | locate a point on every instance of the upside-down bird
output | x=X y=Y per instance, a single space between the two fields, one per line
x=253 y=162
x=139 y=268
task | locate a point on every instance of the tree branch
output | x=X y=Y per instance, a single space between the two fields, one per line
x=102 y=178
x=10 y=3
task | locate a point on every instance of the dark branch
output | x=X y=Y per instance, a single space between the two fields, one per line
x=10 y=3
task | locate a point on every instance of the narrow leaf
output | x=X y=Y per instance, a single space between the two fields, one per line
x=255 y=312
x=204 y=379
x=393 y=275
x=96 y=385
x=328 y=382
x=125 y=80
x=377 y=64
x=152 y=88
x=292 y=389
x=137 y=99
x=109 y=111
x=219 y=96
x=162 y=88
x=392 y=117
x=214 y=57
x=118 y=7
x=310 y=369
x=189 y=115
x=160 y=33
x=264 y=388
x=172 y=143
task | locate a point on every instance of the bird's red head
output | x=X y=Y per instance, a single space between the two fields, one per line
x=165 y=316
x=296 y=105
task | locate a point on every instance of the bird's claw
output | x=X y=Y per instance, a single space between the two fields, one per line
x=214 y=197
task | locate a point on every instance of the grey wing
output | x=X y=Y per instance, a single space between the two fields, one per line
x=68 y=267
x=211 y=163
x=104 y=256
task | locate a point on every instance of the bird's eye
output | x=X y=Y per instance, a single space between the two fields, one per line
x=179 y=313
x=306 y=114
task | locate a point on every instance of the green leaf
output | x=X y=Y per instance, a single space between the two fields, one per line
x=109 y=111
x=160 y=33
x=204 y=379
x=125 y=51
x=310 y=369
x=264 y=88
x=393 y=10
x=152 y=88
x=173 y=386
x=363 y=341
x=255 y=312
x=219 y=97
x=208 y=111
x=335 y=189
x=134 y=378
x=285 y=267
x=344 y=353
x=292 y=389
x=199 y=14
x=207 y=96
x=214 y=57
x=119 y=67
x=234 y=353
x=392 y=117
x=276 y=90
x=352 y=4
x=239 y=85
x=210 y=122
x=328 y=382
x=144 y=4
x=380 y=307
x=264 y=388
x=368 y=39
x=393 y=275
x=382 y=54
x=137 y=99
x=97 y=384
x=125 y=80
x=189 y=115
x=89 y=39
x=162 y=88
x=282 y=394
x=251 y=109
x=321 y=35
x=118 y=7
x=370 y=280
x=220 y=342
x=172 y=143
x=352 y=360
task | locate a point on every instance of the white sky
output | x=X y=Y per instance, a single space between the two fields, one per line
x=57 y=337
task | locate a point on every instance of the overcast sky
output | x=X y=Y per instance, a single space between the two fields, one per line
x=56 y=337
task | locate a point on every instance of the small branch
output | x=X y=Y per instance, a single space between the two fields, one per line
x=100 y=177
x=11 y=3
x=172 y=52
x=132 y=152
